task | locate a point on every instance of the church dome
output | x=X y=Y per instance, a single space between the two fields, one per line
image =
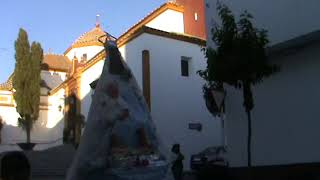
x=91 y=38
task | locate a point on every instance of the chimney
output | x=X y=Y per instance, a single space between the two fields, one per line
x=74 y=65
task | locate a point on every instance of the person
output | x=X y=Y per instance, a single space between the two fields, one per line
x=177 y=162
x=15 y=166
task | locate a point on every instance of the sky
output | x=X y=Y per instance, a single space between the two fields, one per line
x=57 y=23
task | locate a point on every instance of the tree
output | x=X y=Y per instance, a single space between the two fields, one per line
x=1 y=126
x=26 y=81
x=239 y=59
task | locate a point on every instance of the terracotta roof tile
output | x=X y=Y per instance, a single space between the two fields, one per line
x=56 y=62
x=90 y=38
x=7 y=85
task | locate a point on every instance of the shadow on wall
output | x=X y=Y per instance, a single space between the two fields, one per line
x=176 y=101
x=41 y=135
x=51 y=129
x=74 y=121
x=86 y=101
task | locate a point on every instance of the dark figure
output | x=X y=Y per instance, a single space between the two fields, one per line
x=15 y=166
x=177 y=165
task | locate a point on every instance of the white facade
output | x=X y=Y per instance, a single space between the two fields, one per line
x=285 y=119
x=176 y=101
x=6 y=97
x=284 y=20
x=91 y=51
x=47 y=131
x=87 y=77
x=169 y=20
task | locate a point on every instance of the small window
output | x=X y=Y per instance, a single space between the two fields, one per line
x=3 y=99
x=185 y=65
x=84 y=57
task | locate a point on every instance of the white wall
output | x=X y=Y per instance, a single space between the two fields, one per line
x=176 y=100
x=285 y=119
x=283 y=19
x=47 y=131
x=169 y=20
x=88 y=77
x=91 y=51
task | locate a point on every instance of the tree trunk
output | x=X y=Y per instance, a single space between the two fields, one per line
x=248 y=104
x=28 y=128
x=249 y=138
x=28 y=134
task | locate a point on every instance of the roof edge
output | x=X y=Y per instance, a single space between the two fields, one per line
x=82 y=45
x=7 y=85
x=295 y=43
x=171 y=35
x=151 y=16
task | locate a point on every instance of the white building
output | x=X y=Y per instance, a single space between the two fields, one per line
x=285 y=118
x=164 y=52
x=47 y=130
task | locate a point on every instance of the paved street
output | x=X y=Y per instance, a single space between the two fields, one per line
x=189 y=177
x=46 y=165
x=186 y=177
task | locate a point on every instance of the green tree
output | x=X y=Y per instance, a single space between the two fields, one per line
x=26 y=81
x=239 y=59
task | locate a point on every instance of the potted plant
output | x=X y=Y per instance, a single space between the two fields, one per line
x=26 y=84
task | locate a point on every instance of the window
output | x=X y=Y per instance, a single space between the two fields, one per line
x=196 y=16
x=146 y=77
x=84 y=57
x=185 y=65
x=3 y=99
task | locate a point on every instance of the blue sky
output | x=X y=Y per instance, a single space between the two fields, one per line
x=57 y=23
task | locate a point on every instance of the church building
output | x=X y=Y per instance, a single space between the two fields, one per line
x=164 y=53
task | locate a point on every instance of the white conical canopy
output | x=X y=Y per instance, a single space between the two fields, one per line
x=119 y=129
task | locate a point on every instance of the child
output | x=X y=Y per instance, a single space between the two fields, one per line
x=176 y=162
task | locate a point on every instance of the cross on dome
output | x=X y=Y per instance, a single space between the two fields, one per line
x=98 y=20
